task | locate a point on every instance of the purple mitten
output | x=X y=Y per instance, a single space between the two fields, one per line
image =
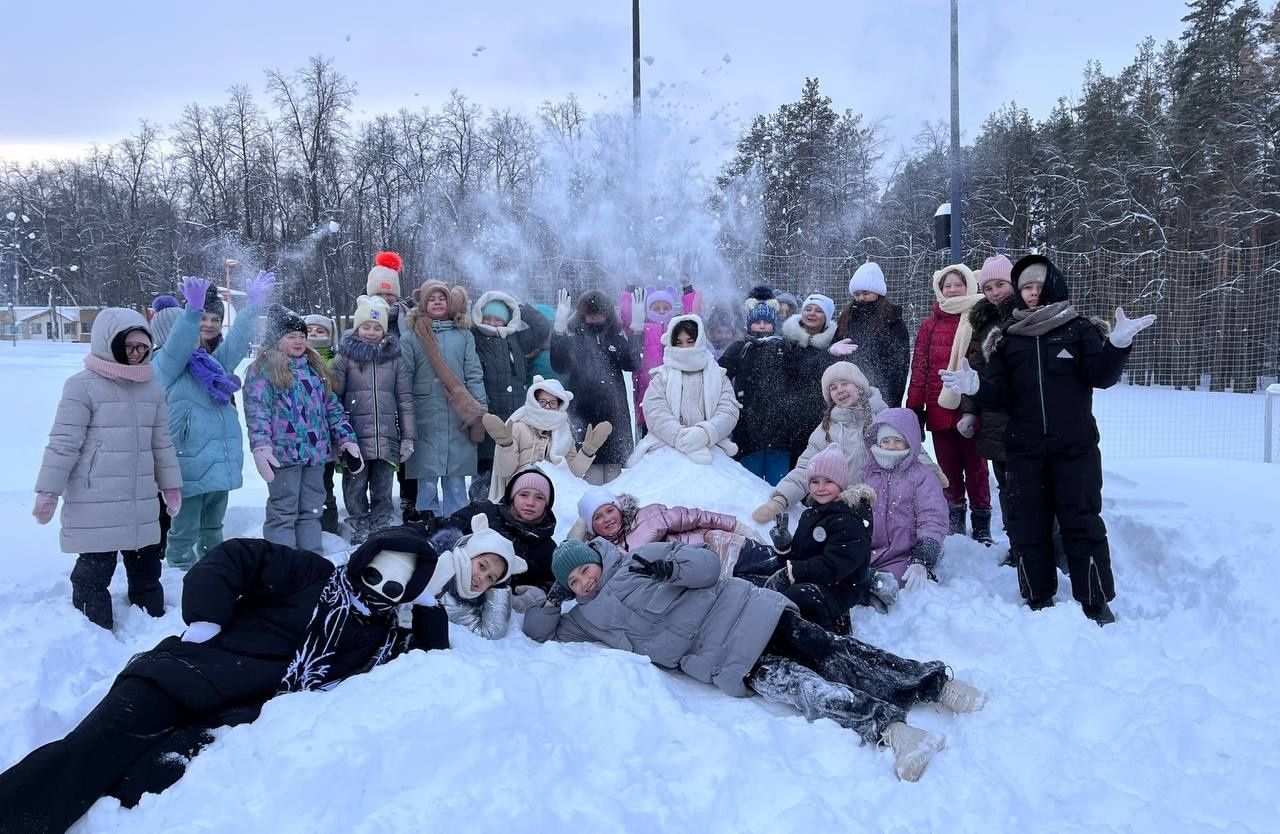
x=193 y=290
x=259 y=289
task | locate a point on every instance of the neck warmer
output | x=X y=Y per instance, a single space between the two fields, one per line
x=114 y=370
x=887 y=458
x=320 y=662
x=1041 y=320
x=209 y=373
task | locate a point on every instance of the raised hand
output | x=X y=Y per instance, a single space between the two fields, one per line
x=962 y=381
x=780 y=533
x=259 y=289
x=639 y=309
x=193 y=290
x=1126 y=328
x=595 y=437
x=844 y=347
x=660 y=569
x=561 y=324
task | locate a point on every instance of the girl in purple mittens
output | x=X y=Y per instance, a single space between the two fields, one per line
x=295 y=422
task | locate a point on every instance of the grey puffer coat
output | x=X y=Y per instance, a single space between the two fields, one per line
x=109 y=451
x=373 y=383
x=714 y=630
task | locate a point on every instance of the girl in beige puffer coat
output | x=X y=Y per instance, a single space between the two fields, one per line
x=109 y=452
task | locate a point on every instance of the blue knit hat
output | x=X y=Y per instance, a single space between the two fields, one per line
x=762 y=312
x=569 y=555
x=498 y=310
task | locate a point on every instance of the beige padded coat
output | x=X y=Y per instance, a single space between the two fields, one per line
x=109 y=451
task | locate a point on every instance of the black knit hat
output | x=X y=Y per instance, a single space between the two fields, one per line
x=281 y=321
x=213 y=303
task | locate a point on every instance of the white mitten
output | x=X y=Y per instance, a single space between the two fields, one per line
x=962 y=381
x=1126 y=328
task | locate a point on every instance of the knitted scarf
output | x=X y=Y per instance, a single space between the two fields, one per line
x=115 y=370
x=467 y=407
x=960 y=305
x=697 y=359
x=320 y=662
x=217 y=383
x=556 y=422
x=1041 y=320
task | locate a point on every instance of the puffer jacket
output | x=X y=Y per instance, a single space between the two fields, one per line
x=909 y=504
x=804 y=403
x=504 y=351
x=303 y=424
x=984 y=318
x=660 y=523
x=374 y=386
x=932 y=352
x=713 y=630
x=832 y=547
x=444 y=444
x=884 y=346
x=848 y=431
x=762 y=381
x=109 y=450
x=207 y=436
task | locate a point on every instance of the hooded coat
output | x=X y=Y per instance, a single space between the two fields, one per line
x=444 y=444
x=909 y=503
x=884 y=346
x=808 y=358
x=832 y=547
x=532 y=541
x=660 y=523
x=531 y=444
x=109 y=450
x=984 y=318
x=373 y=383
x=653 y=347
x=504 y=351
x=933 y=353
x=712 y=629
x=593 y=359
x=762 y=382
x=207 y=436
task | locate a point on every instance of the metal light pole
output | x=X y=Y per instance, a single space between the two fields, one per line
x=635 y=58
x=13 y=300
x=957 y=222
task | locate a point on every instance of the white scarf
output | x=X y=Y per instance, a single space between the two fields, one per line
x=452 y=565
x=697 y=359
x=888 y=458
x=556 y=422
x=957 y=306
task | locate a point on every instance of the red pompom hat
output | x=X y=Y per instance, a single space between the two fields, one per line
x=385 y=275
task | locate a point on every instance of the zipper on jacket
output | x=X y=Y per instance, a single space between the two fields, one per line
x=1044 y=415
x=88 y=472
x=373 y=383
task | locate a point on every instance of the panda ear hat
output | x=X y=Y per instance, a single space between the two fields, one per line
x=484 y=539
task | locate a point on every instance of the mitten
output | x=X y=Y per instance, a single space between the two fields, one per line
x=693 y=437
x=259 y=289
x=769 y=509
x=557 y=596
x=780 y=533
x=561 y=324
x=406 y=450
x=1126 y=328
x=46 y=505
x=351 y=460
x=497 y=429
x=967 y=425
x=172 y=501
x=915 y=577
x=265 y=460
x=193 y=290
x=639 y=309
x=965 y=379
x=844 y=347
x=595 y=437
x=526 y=597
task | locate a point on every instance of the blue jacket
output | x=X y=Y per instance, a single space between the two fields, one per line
x=207 y=436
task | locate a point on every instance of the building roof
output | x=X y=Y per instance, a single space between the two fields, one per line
x=71 y=314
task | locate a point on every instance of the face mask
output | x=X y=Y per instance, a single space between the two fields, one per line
x=388 y=574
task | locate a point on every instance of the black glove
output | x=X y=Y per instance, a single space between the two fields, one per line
x=687 y=288
x=920 y=416
x=658 y=568
x=558 y=595
x=780 y=532
x=779 y=581
x=430 y=627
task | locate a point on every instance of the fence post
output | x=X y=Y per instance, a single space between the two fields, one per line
x=1273 y=394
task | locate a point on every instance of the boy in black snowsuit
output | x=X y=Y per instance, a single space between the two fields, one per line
x=1042 y=368
x=825 y=566
x=264 y=619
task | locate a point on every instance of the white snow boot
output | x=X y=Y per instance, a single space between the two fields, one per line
x=959 y=696
x=912 y=749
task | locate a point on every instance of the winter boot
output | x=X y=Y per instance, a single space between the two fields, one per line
x=329 y=518
x=143 y=571
x=89 y=580
x=912 y=749
x=882 y=591
x=957 y=519
x=1100 y=613
x=1040 y=604
x=981 y=520
x=959 y=696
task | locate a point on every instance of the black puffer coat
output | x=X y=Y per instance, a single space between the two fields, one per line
x=761 y=379
x=532 y=541
x=831 y=547
x=504 y=351
x=884 y=347
x=592 y=358
x=1046 y=382
x=984 y=318
x=263 y=595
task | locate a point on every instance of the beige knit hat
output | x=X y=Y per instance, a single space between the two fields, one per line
x=371 y=308
x=385 y=275
x=843 y=372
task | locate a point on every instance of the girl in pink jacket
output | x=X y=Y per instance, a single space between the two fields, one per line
x=627 y=525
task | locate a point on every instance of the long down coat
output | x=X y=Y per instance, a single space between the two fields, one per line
x=884 y=346
x=372 y=380
x=444 y=444
x=109 y=450
x=712 y=629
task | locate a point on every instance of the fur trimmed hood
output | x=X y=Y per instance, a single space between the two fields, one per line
x=457 y=296
x=594 y=301
x=515 y=325
x=793 y=330
x=358 y=350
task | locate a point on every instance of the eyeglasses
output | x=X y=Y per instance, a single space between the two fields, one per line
x=137 y=350
x=553 y=405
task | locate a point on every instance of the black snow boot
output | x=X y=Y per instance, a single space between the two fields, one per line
x=143 y=571
x=89 y=580
x=957 y=519
x=981 y=520
x=329 y=518
x=1100 y=613
x=1040 y=604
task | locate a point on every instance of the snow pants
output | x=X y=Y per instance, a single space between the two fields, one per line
x=965 y=469
x=858 y=686
x=367 y=495
x=1063 y=484
x=196 y=528
x=819 y=604
x=92 y=574
x=295 y=500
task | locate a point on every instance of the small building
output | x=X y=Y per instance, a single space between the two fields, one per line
x=49 y=324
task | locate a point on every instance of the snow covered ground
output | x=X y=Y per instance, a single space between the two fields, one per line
x=1166 y=721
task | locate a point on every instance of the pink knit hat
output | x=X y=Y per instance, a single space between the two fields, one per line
x=995 y=268
x=830 y=464
x=532 y=480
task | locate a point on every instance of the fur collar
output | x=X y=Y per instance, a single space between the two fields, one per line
x=985 y=314
x=792 y=329
x=358 y=350
x=992 y=343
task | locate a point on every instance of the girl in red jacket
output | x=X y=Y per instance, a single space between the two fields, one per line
x=940 y=345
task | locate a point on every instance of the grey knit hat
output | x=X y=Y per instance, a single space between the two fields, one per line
x=162 y=323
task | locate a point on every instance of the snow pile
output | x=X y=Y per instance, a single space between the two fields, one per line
x=1162 y=722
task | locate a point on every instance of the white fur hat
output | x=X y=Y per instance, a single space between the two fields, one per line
x=592 y=500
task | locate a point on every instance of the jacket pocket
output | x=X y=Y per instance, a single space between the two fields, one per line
x=663 y=597
x=93 y=461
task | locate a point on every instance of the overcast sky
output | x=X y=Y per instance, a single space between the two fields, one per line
x=79 y=72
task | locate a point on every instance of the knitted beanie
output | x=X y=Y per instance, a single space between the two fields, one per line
x=868 y=278
x=821 y=301
x=321 y=321
x=213 y=303
x=162 y=323
x=788 y=298
x=571 y=554
x=830 y=464
x=762 y=312
x=371 y=308
x=497 y=309
x=163 y=301
x=1030 y=269
x=281 y=321
x=843 y=372
x=994 y=268
x=385 y=275
x=534 y=480
x=592 y=500
x=455 y=297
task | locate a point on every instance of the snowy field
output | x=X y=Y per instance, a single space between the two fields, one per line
x=1164 y=722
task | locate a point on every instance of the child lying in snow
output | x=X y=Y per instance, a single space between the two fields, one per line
x=668 y=603
x=627 y=526
x=265 y=619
